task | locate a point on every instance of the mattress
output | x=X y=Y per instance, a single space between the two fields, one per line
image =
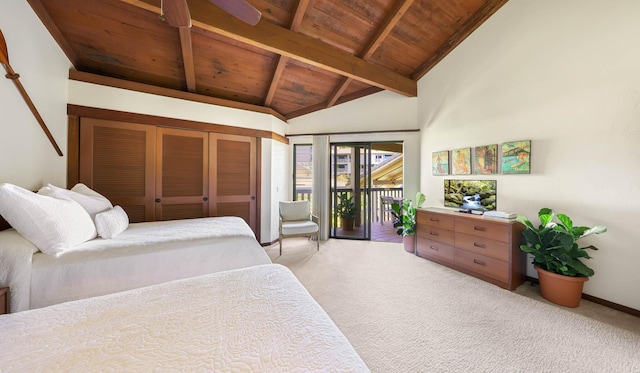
x=144 y=254
x=255 y=319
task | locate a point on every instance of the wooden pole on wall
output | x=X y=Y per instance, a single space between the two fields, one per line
x=4 y=60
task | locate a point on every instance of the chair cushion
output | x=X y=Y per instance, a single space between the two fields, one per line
x=298 y=227
x=294 y=210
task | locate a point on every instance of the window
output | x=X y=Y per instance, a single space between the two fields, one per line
x=303 y=171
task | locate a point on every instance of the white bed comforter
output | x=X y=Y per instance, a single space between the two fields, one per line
x=256 y=319
x=139 y=250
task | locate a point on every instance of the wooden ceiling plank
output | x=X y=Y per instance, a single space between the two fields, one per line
x=187 y=58
x=399 y=9
x=301 y=9
x=294 y=45
x=47 y=21
x=490 y=7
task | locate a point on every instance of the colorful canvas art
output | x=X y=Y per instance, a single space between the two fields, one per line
x=461 y=161
x=516 y=157
x=440 y=163
x=485 y=160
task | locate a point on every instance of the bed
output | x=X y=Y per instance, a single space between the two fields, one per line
x=144 y=254
x=254 y=319
x=76 y=251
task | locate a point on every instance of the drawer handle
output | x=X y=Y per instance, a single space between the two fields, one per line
x=478 y=261
x=480 y=245
x=434 y=233
x=434 y=248
x=481 y=229
x=434 y=219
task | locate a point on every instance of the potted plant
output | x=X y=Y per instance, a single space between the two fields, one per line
x=346 y=210
x=557 y=256
x=405 y=220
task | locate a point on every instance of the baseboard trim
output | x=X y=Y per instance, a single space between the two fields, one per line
x=270 y=243
x=600 y=301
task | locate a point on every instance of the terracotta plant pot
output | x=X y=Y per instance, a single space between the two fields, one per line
x=409 y=243
x=563 y=290
x=347 y=223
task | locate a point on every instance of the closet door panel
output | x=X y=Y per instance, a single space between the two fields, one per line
x=182 y=174
x=232 y=164
x=117 y=159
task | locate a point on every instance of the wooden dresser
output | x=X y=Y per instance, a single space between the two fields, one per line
x=486 y=248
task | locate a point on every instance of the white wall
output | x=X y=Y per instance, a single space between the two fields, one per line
x=563 y=74
x=381 y=111
x=26 y=156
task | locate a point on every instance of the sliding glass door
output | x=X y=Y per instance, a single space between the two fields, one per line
x=351 y=190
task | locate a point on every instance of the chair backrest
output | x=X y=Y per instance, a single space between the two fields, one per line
x=294 y=210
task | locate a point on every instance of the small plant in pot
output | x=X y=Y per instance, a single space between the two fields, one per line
x=557 y=257
x=346 y=210
x=405 y=220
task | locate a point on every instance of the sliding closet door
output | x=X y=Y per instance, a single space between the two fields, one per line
x=233 y=187
x=117 y=159
x=182 y=174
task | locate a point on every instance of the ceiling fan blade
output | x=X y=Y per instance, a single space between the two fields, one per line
x=240 y=9
x=176 y=13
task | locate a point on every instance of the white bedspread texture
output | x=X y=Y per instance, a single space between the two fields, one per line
x=16 y=254
x=256 y=319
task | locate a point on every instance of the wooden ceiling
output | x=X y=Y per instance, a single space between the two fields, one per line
x=303 y=55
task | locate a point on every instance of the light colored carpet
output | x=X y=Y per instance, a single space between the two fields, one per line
x=406 y=314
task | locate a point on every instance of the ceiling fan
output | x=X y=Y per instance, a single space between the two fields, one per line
x=176 y=14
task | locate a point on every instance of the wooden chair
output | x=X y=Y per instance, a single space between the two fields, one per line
x=297 y=221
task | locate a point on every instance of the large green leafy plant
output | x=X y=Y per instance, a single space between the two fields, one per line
x=345 y=208
x=554 y=245
x=405 y=215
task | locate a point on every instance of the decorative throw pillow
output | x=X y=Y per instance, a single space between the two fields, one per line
x=89 y=199
x=112 y=222
x=53 y=225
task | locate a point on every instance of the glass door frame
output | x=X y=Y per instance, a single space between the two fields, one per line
x=362 y=230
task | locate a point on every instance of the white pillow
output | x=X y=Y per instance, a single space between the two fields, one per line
x=89 y=199
x=112 y=222
x=53 y=225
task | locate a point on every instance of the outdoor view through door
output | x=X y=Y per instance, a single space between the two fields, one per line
x=365 y=179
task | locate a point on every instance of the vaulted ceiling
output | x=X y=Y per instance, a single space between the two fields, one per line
x=302 y=56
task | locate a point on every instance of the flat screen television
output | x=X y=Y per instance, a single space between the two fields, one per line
x=470 y=194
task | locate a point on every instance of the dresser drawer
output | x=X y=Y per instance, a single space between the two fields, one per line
x=435 y=234
x=434 y=219
x=482 y=264
x=483 y=228
x=433 y=249
x=483 y=246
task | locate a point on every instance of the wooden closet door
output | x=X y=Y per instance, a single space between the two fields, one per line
x=232 y=165
x=117 y=159
x=182 y=174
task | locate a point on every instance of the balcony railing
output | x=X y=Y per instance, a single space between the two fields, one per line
x=376 y=194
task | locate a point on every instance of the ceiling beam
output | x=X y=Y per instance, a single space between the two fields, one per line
x=399 y=9
x=187 y=58
x=279 y=40
x=301 y=9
